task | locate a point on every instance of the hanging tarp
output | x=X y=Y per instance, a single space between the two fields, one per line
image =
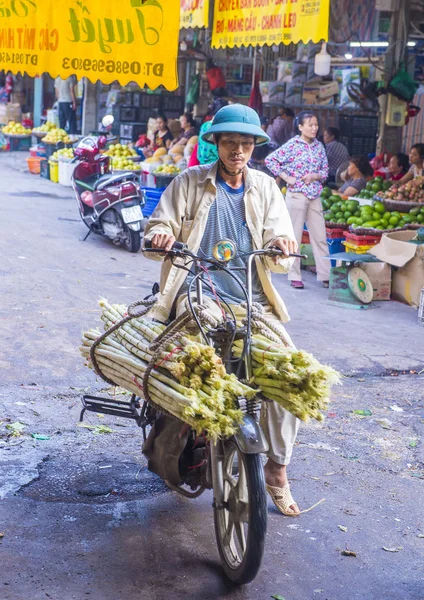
x=194 y=13
x=268 y=22
x=131 y=40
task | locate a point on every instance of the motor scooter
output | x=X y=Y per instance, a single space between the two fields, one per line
x=109 y=204
x=230 y=467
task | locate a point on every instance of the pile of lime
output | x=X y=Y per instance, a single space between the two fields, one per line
x=378 y=184
x=338 y=210
x=377 y=217
x=348 y=211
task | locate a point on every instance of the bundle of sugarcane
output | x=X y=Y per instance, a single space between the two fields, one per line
x=188 y=380
x=292 y=378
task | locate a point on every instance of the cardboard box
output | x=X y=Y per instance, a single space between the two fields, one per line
x=380 y=275
x=17 y=98
x=10 y=112
x=398 y=250
x=328 y=89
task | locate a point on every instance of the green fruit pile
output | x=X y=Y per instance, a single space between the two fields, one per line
x=348 y=211
x=338 y=210
x=377 y=217
x=374 y=186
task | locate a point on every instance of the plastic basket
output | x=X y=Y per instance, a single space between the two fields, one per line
x=357 y=249
x=362 y=240
x=51 y=148
x=162 y=181
x=421 y=309
x=153 y=195
x=305 y=237
x=335 y=245
x=399 y=205
x=54 y=171
x=19 y=144
x=45 y=168
x=66 y=168
x=34 y=164
x=334 y=233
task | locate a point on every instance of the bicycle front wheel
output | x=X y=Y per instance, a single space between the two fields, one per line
x=241 y=523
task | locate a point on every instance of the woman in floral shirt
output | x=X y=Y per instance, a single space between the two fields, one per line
x=302 y=164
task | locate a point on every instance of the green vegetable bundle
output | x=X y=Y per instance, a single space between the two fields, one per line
x=188 y=380
x=292 y=378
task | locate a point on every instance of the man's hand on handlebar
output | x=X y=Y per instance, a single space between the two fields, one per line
x=286 y=246
x=164 y=241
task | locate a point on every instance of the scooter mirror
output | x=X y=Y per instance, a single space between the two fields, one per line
x=108 y=120
x=102 y=141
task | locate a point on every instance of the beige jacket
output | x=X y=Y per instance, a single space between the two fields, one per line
x=183 y=212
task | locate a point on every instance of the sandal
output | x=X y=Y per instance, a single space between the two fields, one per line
x=297 y=284
x=325 y=284
x=282 y=498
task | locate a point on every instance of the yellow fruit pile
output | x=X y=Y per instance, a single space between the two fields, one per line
x=67 y=152
x=48 y=126
x=13 y=128
x=124 y=164
x=167 y=170
x=57 y=135
x=120 y=151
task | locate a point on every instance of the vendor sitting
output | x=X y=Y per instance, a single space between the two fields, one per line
x=398 y=166
x=337 y=153
x=162 y=137
x=416 y=158
x=355 y=176
x=188 y=125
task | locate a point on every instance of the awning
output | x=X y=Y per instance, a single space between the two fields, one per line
x=194 y=13
x=268 y=22
x=131 y=40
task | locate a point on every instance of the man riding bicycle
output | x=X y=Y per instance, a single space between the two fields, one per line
x=227 y=200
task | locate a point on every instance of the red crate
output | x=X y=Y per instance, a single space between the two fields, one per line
x=333 y=233
x=305 y=237
x=362 y=240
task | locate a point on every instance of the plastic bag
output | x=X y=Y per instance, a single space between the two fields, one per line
x=193 y=93
x=403 y=86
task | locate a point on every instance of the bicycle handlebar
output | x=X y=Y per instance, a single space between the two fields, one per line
x=181 y=248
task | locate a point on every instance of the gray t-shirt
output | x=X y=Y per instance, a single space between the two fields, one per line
x=63 y=87
x=358 y=184
x=227 y=220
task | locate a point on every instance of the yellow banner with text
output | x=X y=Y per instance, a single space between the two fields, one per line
x=268 y=22
x=194 y=13
x=132 y=40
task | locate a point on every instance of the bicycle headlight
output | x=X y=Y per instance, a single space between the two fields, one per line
x=224 y=250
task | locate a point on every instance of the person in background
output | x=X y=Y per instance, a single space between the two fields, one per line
x=203 y=152
x=356 y=175
x=188 y=130
x=261 y=152
x=302 y=164
x=65 y=95
x=162 y=137
x=398 y=166
x=337 y=153
x=280 y=129
x=416 y=158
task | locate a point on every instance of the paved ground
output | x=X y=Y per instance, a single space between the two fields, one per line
x=81 y=515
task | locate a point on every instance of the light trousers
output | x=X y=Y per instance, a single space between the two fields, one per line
x=302 y=210
x=278 y=424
